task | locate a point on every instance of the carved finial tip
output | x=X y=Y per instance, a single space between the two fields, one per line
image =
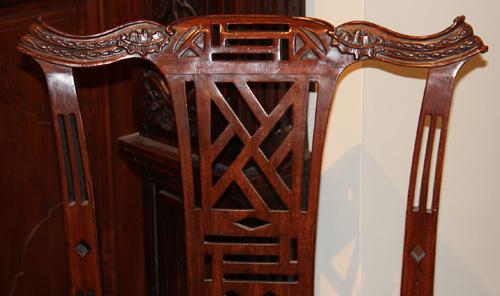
x=484 y=49
x=459 y=19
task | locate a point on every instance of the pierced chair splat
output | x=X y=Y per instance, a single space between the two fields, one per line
x=248 y=237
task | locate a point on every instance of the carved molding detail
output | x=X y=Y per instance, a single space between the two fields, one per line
x=158 y=109
x=367 y=40
x=143 y=42
x=360 y=44
x=142 y=38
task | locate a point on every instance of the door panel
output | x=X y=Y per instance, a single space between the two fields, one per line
x=31 y=220
x=32 y=247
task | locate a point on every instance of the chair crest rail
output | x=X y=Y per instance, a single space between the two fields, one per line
x=134 y=39
x=210 y=37
x=367 y=40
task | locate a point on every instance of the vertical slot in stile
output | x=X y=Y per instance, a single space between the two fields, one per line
x=311 y=110
x=67 y=160
x=78 y=157
x=434 y=159
x=421 y=160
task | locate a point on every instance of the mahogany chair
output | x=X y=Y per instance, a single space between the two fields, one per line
x=240 y=241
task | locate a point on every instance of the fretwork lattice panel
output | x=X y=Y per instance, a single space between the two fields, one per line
x=255 y=232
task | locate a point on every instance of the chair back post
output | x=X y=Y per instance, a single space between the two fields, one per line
x=76 y=181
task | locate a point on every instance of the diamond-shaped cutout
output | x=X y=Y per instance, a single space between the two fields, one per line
x=251 y=223
x=265 y=189
x=82 y=248
x=233 y=199
x=237 y=103
x=418 y=253
x=269 y=293
x=269 y=94
x=277 y=134
x=230 y=293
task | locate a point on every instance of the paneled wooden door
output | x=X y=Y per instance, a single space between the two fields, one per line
x=32 y=234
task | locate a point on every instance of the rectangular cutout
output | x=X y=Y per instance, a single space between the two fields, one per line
x=78 y=157
x=222 y=56
x=284 y=49
x=434 y=156
x=208 y=268
x=215 y=34
x=67 y=160
x=294 y=250
x=273 y=278
x=249 y=42
x=258 y=27
x=256 y=259
x=221 y=239
x=420 y=165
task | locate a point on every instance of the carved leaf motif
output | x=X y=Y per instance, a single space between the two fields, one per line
x=367 y=40
x=359 y=43
x=141 y=38
x=158 y=109
x=142 y=41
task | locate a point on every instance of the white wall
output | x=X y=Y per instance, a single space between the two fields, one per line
x=368 y=156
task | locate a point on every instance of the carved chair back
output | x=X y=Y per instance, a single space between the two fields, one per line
x=250 y=223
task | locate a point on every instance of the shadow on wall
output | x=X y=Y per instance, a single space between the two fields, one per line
x=339 y=267
x=474 y=285
x=337 y=263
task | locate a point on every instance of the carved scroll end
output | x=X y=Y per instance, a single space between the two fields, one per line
x=365 y=40
x=138 y=39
